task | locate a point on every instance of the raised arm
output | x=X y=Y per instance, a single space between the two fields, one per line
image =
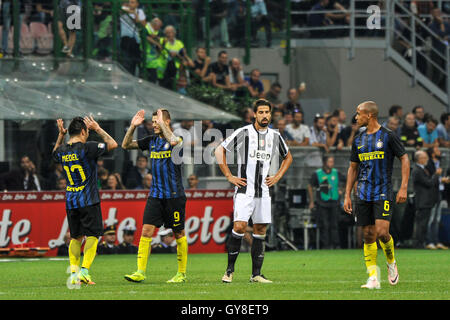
x=61 y=135
x=128 y=143
x=91 y=124
x=168 y=134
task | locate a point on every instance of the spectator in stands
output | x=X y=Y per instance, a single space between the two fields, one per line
x=422 y=8
x=320 y=19
x=273 y=95
x=442 y=29
x=280 y=125
x=146 y=181
x=429 y=133
x=136 y=174
x=220 y=77
x=248 y=116
x=434 y=162
x=236 y=76
x=409 y=134
x=425 y=186
x=61 y=184
x=332 y=130
x=107 y=246
x=173 y=57
x=443 y=130
x=193 y=181
x=127 y=246
x=23 y=179
x=152 y=48
x=145 y=129
x=260 y=19
x=318 y=136
x=342 y=116
x=393 y=124
x=63 y=250
x=419 y=115
x=68 y=42
x=114 y=182
x=256 y=87
x=130 y=23
x=293 y=94
x=6 y=7
x=396 y=111
x=200 y=72
x=406 y=40
x=348 y=133
x=55 y=174
x=237 y=29
x=102 y=181
x=218 y=21
x=44 y=10
x=299 y=132
x=167 y=244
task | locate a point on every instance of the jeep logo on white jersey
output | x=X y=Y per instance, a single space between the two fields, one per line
x=260 y=155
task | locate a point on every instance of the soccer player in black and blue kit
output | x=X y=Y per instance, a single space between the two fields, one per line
x=371 y=162
x=166 y=201
x=79 y=160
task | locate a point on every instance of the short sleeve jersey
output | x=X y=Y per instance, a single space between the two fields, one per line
x=375 y=154
x=167 y=180
x=255 y=152
x=79 y=161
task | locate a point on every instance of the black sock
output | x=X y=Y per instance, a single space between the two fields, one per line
x=258 y=248
x=233 y=247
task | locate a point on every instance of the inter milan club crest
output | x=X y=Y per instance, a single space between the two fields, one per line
x=379 y=144
x=166 y=146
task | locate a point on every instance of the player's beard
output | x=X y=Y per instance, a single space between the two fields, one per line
x=263 y=125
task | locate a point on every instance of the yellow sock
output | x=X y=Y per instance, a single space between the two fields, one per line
x=370 y=257
x=143 y=253
x=90 y=250
x=74 y=255
x=182 y=252
x=388 y=249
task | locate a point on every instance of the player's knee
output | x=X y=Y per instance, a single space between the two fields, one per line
x=240 y=227
x=147 y=231
x=383 y=234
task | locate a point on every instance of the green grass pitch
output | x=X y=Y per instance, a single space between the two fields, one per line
x=310 y=275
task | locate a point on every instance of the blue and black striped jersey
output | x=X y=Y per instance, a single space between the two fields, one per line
x=375 y=154
x=79 y=161
x=167 y=181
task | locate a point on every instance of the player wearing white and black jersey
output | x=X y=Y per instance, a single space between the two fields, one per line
x=256 y=146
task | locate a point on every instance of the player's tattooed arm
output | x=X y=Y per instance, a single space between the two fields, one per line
x=168 y=134
x=91 y=124
x=61 y=135
x=128 y=143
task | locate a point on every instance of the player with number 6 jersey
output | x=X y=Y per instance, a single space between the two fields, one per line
x=79 y=160
x=371 y=165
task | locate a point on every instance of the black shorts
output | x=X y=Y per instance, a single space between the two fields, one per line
x=167 y=212
x=86 y=221
x=369 y=211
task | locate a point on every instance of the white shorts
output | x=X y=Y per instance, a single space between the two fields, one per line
x=259 y=209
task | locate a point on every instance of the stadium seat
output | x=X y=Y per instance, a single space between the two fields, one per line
x=266 y=84
x=26 y=40
x=44 y=39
